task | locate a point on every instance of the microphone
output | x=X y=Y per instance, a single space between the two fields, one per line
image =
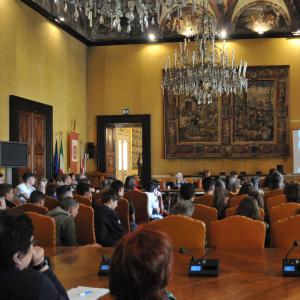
x=295 y=244
x=183 y=250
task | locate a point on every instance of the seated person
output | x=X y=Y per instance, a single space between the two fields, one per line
x=183 y=208
x=2 y=179
x=246 y=188
x=208 y=184
x=276 y=181
x=2 y=202
x=292 y=192
x=141 y=266
x=249 y=208
x=41 y=186
x=51 y=190
x=258 y=197
x=84 y=189
x=221 y=198
x=24 y=273
x=66 y=179
x=130 y=184
x=187 y=192
x=25 y=189
x=154 y=210
x=8 y=192
x=63 y=191
x=64 y=216
x=37 y=198
x=107 y=223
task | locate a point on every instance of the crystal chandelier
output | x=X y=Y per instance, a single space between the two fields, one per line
x=121 y=15
x=202 y=68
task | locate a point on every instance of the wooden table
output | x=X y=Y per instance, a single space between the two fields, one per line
x=244 y=274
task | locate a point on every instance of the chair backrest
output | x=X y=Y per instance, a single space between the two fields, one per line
x=207 y=200
x=50 y=202
x=234 y=201
x=283 y=211
x=183 y=231
x=286 y=231
x=207 y=215
x=231 y=211
x=85 y=227
x=140 y=204
x=272 y=193
x=82 y=200
x=238 y=232
x=274 y=201
x=44 y=230
x=28 y=207
x=123 y=212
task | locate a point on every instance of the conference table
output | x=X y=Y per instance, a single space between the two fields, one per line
x=244 y=273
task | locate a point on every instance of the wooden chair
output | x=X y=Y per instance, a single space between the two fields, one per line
x=140 y=204
x=50 y=203
x=235 y=201
x=183 y=231
x=44 y=230
x=283 y=211
x=82 y=200
x=231 y=211
x=274 y=201
x=123 y=213
x=29 y=207
x=285 y=231
x=207 y=215
x=272 y=193
x=207 y=200
x=85 y=228
x=238 y=232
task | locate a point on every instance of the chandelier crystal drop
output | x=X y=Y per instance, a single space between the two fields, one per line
x=202 y=68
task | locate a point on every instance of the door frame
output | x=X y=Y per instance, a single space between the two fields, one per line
x=144 y=120
x=17 y=104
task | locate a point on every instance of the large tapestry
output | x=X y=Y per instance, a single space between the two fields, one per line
x=246 y=125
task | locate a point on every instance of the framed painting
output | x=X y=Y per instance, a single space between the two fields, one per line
x=252 y=124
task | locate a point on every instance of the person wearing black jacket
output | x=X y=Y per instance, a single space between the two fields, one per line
x=24 y=272
x=107 y=223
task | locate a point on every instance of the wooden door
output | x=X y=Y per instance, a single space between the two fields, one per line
x=33 y=131
x=110 y=150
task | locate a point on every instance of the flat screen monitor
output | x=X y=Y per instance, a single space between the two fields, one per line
x=296 y=151
x=13 y=154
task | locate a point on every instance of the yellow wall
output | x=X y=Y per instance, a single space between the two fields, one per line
x=129 y=77
x=40 y=62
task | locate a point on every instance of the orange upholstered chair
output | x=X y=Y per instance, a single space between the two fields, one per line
x=140 y=204
x=273 y=193
x=207 y=200
x=50 y=202
x=285 y=231
x=123 y=213
x=28 y=207
x=238 y=232
x=234 y=201
x=82 y=200
x=85 y=228
x=283 y=211
x=274 y=201
x=44 y=229
x=183 y=231
x=207 y=215
x=231 y=211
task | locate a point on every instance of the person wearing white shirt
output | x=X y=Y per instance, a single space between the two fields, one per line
x=24 y=190
x=152 y=193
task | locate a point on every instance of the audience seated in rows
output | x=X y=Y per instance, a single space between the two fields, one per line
x=141 y=266
x=221 y=198
x=187 y=192
x=249 y=208
x=51 y=190
x=154 y=210
x=292 y=192
x=84 y=189
x=37 y=198
x=8 y=193
x=208 y=184
x=63 y=191
x=183 y=208
x=107 y=223
x=25 y=189
x=24 y=274
x=64 y=216
x=276 y=181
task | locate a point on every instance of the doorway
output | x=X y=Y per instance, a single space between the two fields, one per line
x=124 y=146
x=31 y=123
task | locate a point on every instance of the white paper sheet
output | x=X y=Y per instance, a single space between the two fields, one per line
x=88 y=293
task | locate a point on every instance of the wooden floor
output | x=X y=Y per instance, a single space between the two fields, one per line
x=244 y=274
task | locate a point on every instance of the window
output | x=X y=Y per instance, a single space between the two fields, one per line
x=123 y=154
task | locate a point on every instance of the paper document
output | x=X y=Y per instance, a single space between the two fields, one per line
x=83 y=292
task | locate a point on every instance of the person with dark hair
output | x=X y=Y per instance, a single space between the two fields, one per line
x=154 y=210
x=276 y=181
x=51 y=189
x=183 y=208
x=208 y=184
x=25 y=189
x=246 y=188
x=63 y=191
x=258 y=197
x=24 y=272
x=221 y=199
x=37 y=198
x=187 y=191
x=2 y=179
x=107 y=223
x=249 y=208
x=41 y=186
x=64 y=216
x=84 y=189
x=141 y=266
x=233 y=184
x=130 y=184
x=8 y=193
x=66 y=179
x=292 y=192
x=268 y=177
